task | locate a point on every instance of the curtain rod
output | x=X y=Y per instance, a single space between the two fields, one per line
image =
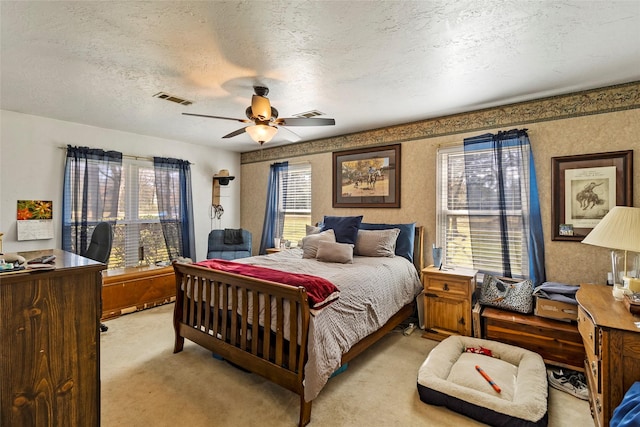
x=131 y=156
x=304 y=162
x=461 y=142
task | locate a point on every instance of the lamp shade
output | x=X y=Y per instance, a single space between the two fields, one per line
x=619 y=229
x=261 y=133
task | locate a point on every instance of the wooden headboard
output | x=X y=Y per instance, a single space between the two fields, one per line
x=418 y=249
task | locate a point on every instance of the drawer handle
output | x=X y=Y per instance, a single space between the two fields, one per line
x=598 y=406
x=594 y=368
x=445 y=287
x=591 y=336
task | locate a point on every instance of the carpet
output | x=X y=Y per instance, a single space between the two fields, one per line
x=145 y=384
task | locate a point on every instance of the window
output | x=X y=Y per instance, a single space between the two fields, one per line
x=100 y=187
x=458 y=214
x=137 y=235
x=296 y=185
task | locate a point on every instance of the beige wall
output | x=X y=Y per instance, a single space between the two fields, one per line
x=567 y=262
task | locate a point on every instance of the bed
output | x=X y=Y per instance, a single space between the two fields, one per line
x=293 y=344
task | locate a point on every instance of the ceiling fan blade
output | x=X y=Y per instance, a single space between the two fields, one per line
x=235 y=133
x=218 y=117
x=289 y=134
x=299 y=121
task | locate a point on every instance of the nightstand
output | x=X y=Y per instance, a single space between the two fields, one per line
x=447 y=301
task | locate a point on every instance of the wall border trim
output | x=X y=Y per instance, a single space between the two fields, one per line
x=584 y=103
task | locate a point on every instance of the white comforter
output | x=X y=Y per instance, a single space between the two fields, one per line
x=371 y=291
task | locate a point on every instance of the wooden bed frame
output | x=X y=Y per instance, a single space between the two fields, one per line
x=270 y=355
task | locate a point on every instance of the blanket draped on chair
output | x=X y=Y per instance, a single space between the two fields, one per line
x=233 y=236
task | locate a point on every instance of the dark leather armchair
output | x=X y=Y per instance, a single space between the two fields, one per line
x=218 y=249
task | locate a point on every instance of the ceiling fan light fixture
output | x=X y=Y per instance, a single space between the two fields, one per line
x=260 y=107
x=261 y=133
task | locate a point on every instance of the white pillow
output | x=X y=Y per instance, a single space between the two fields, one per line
x=312 y=229
x=377 y=243
x=335 y=252
x=310 y=243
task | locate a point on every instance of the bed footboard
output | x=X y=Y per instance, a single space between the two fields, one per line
x=217 y=311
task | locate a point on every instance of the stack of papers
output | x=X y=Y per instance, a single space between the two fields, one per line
x=41 y=267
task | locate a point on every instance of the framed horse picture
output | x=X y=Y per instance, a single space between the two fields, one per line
x=585 y=188
x=367 y=177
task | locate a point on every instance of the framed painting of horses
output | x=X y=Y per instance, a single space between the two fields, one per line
x=367 y=177
x=584 y=188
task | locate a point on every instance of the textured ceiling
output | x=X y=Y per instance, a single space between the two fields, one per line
x=365 y=64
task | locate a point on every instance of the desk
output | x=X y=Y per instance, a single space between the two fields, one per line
x=50 y=344
x=612 y=345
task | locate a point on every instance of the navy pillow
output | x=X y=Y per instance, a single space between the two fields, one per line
x=344 y=227
x=404 y=243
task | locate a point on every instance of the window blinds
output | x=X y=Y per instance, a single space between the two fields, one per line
x=297 y=203
x=138 y=236
x=455 y=210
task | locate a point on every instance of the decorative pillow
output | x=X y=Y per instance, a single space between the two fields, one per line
x=310 y=243
x=509 y=296
x=335 y=252
x=377 y=243
x=404 y=243
x=345 y=227
x=311 y=229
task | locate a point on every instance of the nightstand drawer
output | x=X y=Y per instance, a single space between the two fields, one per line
x=588 y=332
x=448 y=286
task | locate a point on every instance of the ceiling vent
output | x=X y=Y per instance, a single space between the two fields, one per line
x=164 y=95
x=309 y=114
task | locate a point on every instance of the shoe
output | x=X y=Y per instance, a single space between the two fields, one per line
x=569 y=381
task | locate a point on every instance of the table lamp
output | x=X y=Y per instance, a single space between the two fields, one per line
x=619 y=231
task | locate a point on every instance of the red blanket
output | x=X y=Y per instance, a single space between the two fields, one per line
x=321 y=292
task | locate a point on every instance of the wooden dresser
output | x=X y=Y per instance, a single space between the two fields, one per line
x=447 y=302
x=612 y=343
x=50 y=344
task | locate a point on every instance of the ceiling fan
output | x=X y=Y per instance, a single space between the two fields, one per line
x=265 y=119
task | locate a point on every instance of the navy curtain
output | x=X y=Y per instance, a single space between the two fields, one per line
x=90 y=194
x=274 y=214
x=175 y=205
x=505 y=181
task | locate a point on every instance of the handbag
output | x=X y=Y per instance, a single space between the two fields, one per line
x=508 y=296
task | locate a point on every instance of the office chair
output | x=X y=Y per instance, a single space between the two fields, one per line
x=100 y=248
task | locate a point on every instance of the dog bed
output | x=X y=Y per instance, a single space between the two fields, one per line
x=448 y=377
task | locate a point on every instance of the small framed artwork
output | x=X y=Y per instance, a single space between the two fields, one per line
x=585 y=188
x=566 y=229
x=367 y=177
